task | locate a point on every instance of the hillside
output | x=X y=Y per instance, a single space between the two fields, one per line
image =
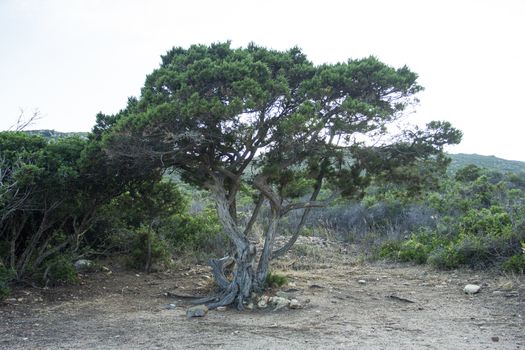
x=490 y=162
x=54 y=135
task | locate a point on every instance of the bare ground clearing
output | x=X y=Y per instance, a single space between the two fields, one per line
x=348 y=305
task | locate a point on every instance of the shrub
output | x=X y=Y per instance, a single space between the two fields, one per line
x=275 y=280
x=421 y=244
x=473 y=251
x=492 y=221
x=308 y=251
x=390 y=250
x=147 y=249
x=515 y=263
x=443 y=257
x=197 y=232
x=412 y=250
x=6 y=276
x=58 y=269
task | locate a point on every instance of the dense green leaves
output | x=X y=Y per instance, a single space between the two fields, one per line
x=211 y=110
x=51 y=192
x=478 y=222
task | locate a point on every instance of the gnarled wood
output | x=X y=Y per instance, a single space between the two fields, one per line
x=217 y=268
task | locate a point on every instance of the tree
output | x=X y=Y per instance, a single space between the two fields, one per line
x=229 y=119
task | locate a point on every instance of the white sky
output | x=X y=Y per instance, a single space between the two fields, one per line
x=71 y=59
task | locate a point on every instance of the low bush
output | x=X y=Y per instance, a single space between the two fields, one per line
x=148 y=249
x=443 y=258
x=274 y=280
x=6 y=276
x=198 y=232
x=389 y=250
x=515 y=263
x=59 y=269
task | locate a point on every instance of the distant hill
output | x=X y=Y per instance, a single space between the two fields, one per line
x=54 y=135
x=489 y=162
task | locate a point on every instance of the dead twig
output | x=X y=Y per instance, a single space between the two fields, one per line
x=395 y=297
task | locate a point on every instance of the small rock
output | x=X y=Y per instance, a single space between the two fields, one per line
x=361 y=282
x=249 y=306
x=170 y=306
x=105 y=269
x=83 y=265
x=221 y=308
x=197 y=311
x=262 y=304
x=471 y=288
x=495 y=339
x=295 y=304
x=279 y=302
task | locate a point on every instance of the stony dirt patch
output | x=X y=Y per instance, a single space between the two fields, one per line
x=347 y=304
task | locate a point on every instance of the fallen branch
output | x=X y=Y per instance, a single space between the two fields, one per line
x=395 y=297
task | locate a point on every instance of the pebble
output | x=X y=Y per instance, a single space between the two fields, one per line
x=170 y=306
x=197 y=311
x=83 y=265
x=262 y=304
x=471 y=288
x=361 y=282
x=295 y=304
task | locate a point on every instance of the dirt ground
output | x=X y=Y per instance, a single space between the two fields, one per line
x=348 y=304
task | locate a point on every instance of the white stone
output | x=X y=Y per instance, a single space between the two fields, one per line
x=262 y=304
x=471 y=288
x=83 y=265
x=295 y=304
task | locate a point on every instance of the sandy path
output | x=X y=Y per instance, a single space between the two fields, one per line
x=127 y=311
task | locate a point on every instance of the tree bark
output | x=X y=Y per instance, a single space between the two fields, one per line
x=239 y=289
x=266 y=255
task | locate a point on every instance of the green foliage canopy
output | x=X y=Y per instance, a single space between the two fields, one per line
x=211 y=110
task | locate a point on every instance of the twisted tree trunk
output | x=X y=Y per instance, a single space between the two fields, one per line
x=246 y=277
x=239 y=289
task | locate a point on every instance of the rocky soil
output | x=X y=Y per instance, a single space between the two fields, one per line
x=339 y=303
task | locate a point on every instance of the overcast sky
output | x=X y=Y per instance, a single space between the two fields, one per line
x=71 y=59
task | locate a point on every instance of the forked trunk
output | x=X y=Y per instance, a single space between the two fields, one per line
x=238 y=289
